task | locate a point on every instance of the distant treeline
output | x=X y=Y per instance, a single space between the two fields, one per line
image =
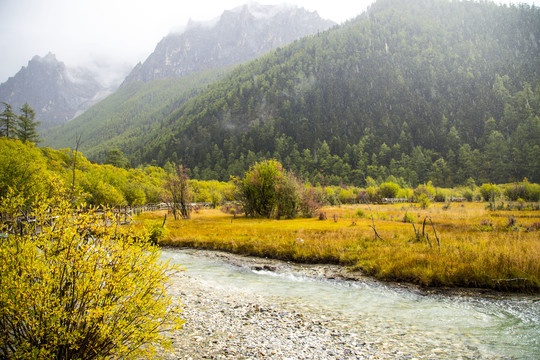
x=29 y=170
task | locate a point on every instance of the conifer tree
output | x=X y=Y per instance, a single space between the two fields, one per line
x=27 y=125
x=8 y=122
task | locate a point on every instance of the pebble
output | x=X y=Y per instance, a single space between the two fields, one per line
x=227 y=323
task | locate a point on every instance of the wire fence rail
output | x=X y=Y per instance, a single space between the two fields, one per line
x=124 y=214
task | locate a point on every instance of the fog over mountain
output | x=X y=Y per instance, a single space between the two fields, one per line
x=59 y=93
x=236 y=36
x=56 y=92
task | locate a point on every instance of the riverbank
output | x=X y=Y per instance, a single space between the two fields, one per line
x=222 y=324
x=335 y=272
x=225 y=322
x=467 y=246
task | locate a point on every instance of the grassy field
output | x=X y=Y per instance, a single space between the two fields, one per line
x=479 y=248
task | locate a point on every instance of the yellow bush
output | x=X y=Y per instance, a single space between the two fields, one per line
x=79 y=289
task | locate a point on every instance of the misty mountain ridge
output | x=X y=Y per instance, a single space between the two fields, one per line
x=56 y=92
x=431 y=90
x=238 y=35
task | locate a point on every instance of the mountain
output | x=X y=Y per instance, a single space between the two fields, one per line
x=427 y=90
x=57 y=93
x=238 y=35
x=430 y=90
x=178 y=69
x=134 y=108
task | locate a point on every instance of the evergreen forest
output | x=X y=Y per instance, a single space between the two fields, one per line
x=430 y=90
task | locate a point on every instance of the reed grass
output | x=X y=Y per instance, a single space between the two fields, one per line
x=471 y=255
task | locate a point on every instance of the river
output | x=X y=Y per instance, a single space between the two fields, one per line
x=472 y=326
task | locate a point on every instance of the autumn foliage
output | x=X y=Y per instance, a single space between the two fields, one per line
x=74 y=286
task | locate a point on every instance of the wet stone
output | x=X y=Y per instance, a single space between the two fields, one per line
x=227 y=323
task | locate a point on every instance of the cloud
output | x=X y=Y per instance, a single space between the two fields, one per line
x=117 y=32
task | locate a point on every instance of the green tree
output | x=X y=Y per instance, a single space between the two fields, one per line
x=389 y=190
x=116 y=158
x=26 y=129
x=8 y=122
x=257 y=190
x=80 y=289
x=495 y=158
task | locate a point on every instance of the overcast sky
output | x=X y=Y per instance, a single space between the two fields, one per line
x=115 y=33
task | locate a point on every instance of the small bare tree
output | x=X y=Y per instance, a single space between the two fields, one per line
x=179 y=193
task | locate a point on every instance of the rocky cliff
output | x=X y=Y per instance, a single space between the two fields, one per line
x=238 y=35
x=57 y=93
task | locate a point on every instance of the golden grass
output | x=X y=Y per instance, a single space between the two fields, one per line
x=502 y=258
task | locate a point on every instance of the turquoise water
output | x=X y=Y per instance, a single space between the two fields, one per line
x=496 y=328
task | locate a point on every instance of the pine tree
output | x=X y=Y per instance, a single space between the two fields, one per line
x=8 y=122
x=27 y=125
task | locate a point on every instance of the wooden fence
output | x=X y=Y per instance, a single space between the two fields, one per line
x=124 y=215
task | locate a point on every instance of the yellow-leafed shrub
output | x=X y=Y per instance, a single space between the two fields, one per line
x=72 y=286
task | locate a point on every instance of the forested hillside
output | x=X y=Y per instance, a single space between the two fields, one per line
x=124 y=117
x=424 y=90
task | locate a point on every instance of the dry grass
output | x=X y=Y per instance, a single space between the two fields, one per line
x=477 y=249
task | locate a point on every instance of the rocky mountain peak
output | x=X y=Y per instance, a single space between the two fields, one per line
x=57 y=93
x=238 y=35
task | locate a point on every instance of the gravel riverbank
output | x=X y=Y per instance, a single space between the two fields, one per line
x=229 y=323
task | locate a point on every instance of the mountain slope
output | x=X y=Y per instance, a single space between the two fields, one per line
x=424 y=90
x=238 y=35
x=179 y=67
x=126 y=115
x=55 y=92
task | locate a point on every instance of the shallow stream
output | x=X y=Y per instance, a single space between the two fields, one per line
x=483 y=327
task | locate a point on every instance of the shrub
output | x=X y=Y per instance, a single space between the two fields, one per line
x=389 y=190
x=267 y=189
x=405 y=194
x=359 y=213
x=408 y=218
x=346 y=196
x=468 y=194
x=310 y=201
x=534 y=227
x=512 y=223
x=287 y=196
x=490 y=192
x=233 y=209
x=523 y=190
x=440 y=195
x=424 y=193
x=155 y=233
x=331 y=196
x=486 y=225
x=216 y=199
x=135 y=196
x=362 y=197
x=374 y=195
x=423 y=201
x=22 y=168
x=79 y=289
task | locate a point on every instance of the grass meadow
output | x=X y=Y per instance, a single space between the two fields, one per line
x=456 y=245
